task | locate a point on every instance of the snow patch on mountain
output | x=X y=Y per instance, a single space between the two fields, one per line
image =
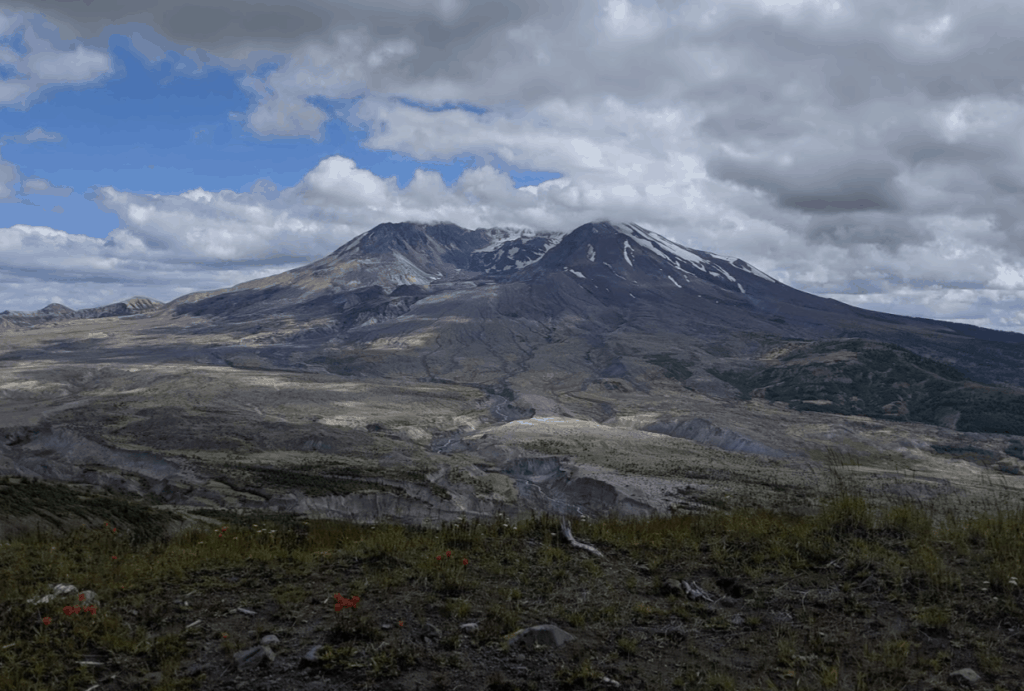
x=654 y=242
x=500 y=236
x=526 y=262
x=613 y=269
x=743 y=266
x=674 y=252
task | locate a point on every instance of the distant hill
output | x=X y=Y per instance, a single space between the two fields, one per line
x=58 y=312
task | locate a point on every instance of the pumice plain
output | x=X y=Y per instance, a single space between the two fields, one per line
x=583 y=459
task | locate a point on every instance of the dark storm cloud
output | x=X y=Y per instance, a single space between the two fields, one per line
x=282 y=24
x=889 y=231
x=816 y=182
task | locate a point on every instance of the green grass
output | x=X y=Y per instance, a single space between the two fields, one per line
x=854 y=596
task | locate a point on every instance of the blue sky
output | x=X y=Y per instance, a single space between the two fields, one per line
x=866 y=151
x=154 y=130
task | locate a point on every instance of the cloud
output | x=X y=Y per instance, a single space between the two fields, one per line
x=35 y=185
x=77 y=65
x=10 y=174
x=9 y=179
x=37 y=134
x=43 y=65
x=869 y=150
x=40 y=265
x=146 y=48
x=816 y=180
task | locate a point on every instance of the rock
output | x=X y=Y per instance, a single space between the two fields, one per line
x=964 y=677
x=253 y=657
x=270 y=640
x=469 y=628
x=433 y=634
x=547 y=635
x=311 y=657
x=69 y=593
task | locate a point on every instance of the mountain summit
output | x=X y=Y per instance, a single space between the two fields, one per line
x=602 y=257
x=635 y=254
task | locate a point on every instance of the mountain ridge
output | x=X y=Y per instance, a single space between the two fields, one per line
x=510 y=308
x=56 y=312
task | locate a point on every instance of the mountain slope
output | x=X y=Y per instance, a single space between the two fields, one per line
x=883 y=381
x=607 y=309
x=501 y=306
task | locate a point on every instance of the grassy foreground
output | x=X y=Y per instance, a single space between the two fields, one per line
x=852 y=597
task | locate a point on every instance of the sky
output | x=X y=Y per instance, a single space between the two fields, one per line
x=869 y=151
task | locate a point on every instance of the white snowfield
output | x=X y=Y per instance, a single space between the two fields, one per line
x=663 y=246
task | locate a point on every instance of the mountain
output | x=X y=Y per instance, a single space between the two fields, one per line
x=388 y=256
x=609 y=305
x=57 y=312
x=517 y=367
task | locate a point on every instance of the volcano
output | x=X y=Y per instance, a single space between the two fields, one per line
x=446 y=370
x=609 y=306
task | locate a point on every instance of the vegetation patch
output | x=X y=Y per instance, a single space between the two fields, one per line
x=853 y=595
